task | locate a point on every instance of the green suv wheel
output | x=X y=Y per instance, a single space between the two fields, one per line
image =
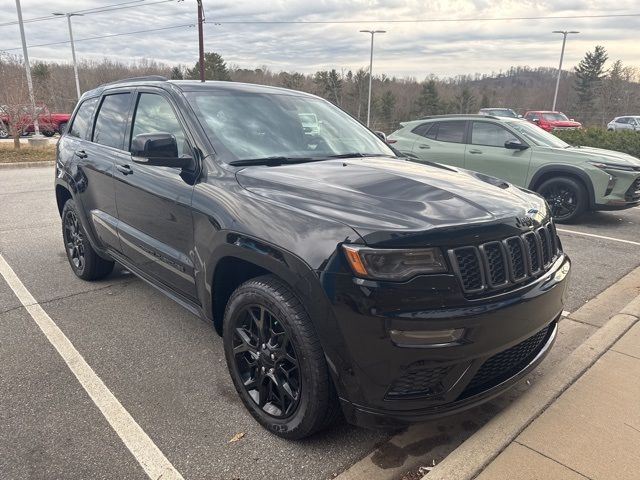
x=566 y=197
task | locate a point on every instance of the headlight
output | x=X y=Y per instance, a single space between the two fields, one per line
x=614 y=166
x=394 y=264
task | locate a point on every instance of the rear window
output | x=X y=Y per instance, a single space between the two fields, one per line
x=112 y=119
x=452 y=132
x=423 y=129
x=82 y=121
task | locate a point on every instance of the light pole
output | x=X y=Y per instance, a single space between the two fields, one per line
x=564 y=41
x=200 y=39
x=27 y=68
x=73 y=48
x=372 y=32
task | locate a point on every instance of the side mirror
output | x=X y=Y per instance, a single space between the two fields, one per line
x=515 y=145
x=535 y=120
x=519 y=116
x=158 y=149
x=382 y=136
x=572 y=119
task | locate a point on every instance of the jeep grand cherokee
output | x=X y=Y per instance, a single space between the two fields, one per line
x=340 y=277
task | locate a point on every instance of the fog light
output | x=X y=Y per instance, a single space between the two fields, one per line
x=562 y=272
x=426 y=338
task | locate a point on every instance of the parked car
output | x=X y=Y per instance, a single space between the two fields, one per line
x=48 y=123
x=551 y=121
x=499 y=112
x=572 y=179
x=631 y=122
x=339 y=275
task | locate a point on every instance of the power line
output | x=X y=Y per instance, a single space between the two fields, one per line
x=426 y=20
x=91 y=11
x=102 y=36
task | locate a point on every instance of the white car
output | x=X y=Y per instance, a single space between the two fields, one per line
x=631 y=122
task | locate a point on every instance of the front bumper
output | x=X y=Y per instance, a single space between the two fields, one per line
x=505 y=337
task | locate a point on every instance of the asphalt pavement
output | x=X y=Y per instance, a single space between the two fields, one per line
x=166 y=367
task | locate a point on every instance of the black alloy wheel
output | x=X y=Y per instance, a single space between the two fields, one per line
x=4 y=131
x=74 y=241
x=275 y=359
x=266 y=361
x=84 y=260
x=567 y=198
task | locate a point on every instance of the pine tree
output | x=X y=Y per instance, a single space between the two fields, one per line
x=176 y=74
x=215 y=68
x=589 y=75
x=429 y=101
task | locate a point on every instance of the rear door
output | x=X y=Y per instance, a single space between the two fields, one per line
x=487 y=154
x=101 y=154
x=154 y=203
x=442 y=142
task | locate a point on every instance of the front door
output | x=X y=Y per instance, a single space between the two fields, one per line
x=487 y=154
x=154 y=203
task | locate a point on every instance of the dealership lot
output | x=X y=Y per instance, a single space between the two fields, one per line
x=166 y=367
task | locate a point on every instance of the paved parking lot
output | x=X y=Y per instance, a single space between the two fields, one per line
x=166 y=367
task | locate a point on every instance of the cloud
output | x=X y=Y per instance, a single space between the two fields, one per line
x=408 y=49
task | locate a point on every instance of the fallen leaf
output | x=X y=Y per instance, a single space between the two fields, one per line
x=236 y=437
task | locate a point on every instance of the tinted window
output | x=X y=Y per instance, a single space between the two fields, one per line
x=423 y=129
x=82 y=121
x=622 y=120
x=155 y=115
x=112 y=119
x=490 y=134
x=451 y=132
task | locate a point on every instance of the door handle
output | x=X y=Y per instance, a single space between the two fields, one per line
x=126 y=169
x=424 y=147
x=476 y=151
x=81 y=154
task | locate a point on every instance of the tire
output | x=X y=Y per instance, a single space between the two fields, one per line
x=287 y=357
x=48 y=133
x=566 y=196
x=84 y=261
x=62 y=128
x=4 y=131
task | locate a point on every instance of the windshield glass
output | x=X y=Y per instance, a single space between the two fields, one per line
x=537 y=136
x=555 y=117
x=502 y=112
x=246 y=125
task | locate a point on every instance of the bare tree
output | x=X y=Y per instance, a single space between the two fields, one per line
x=14 y=98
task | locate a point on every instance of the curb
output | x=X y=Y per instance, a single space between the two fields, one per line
x=470 y=458
x=46 y=163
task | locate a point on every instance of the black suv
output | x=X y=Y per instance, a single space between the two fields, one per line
x=341 y=277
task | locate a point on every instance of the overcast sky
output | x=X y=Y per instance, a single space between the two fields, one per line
x=407 y=49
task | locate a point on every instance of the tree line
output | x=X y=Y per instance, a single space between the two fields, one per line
x=593 y=92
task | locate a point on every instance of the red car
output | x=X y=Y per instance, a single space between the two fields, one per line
x=49 y=123
x=550 y=121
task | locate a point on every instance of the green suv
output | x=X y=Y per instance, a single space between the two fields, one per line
x=571 y=179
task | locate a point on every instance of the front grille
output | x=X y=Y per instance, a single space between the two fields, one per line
x=507 y=363
x=633 y=193
x=418 y=383
x=501 y=264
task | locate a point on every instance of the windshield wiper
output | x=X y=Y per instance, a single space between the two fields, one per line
x=270 y=161
x=357 y=154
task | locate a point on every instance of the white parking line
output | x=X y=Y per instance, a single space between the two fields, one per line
x=148 y=455
x=598 y=236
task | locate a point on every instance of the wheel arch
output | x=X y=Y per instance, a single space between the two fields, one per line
x=551 y=171
x=62 y=195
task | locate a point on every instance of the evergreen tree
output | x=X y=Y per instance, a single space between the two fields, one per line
x=429 y=101
x=293 y=81
x=589 y=75
x=387 y=107
x=176 y=74
x=330 y=85
x=215 y=68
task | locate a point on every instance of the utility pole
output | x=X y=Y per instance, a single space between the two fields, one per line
x=564 y=41
x=27 y=68
x=73 y=48
x=201 y=39
x=372 y=32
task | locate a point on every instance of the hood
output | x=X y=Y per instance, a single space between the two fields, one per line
x=600 y=154
x=563 y=123
x=383 y=199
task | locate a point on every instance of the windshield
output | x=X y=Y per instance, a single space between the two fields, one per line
x=247 y=126
x=502 y=112
x=555 y=117
x=537 y=136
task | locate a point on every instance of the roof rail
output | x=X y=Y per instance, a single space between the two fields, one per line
x=460 y=115
x=148 y=78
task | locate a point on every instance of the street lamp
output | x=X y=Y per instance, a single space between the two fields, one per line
x=73 y=48
x=372 y=32
x=27 y=68
x=564 y=41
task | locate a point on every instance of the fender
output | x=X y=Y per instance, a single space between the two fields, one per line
x=560 y=169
